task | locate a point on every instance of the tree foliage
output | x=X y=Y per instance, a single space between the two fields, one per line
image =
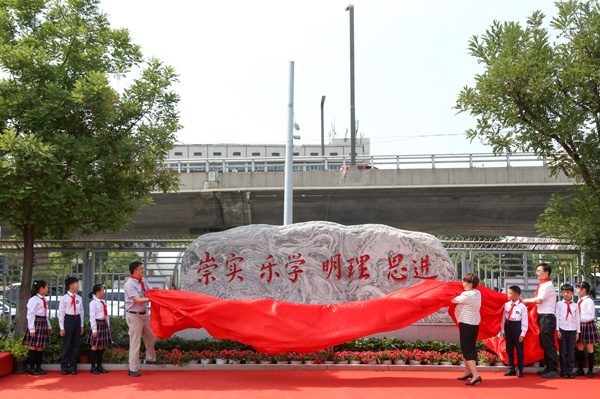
x=540 y=92
x=77 y=156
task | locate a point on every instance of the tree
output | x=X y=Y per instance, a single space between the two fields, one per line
x=76 y=155
x=544 y=97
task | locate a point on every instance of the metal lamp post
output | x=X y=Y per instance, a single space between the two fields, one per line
x=352 y=102
x=322 y=128
x=288 y=191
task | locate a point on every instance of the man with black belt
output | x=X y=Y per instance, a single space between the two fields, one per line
x=138 y=318
x=545 y=298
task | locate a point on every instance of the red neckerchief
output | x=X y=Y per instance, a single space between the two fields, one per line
x=569 y=309
x=45 y=305
x=105 y=311
x=580 y=302
x=540 y=283
x=512 y=306
x=73 y=302
x=141 y=282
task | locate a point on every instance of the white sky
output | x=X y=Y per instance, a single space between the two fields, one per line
x=233 y=59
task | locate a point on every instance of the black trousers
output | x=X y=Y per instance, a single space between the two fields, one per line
x=547 y=323
x=566 y=350
x=70 y=349
x=468 y=340
x=512 y=332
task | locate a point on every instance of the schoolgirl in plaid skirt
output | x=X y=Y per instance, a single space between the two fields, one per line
x=38 y=331
x=102 y=337
x=40 y=337
x=99 y=335
x=589 y=332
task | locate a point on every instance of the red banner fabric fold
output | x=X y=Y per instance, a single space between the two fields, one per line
x=273 y=326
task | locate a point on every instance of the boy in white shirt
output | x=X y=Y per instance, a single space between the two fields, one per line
x=70 y=321
x=567 y=330
x=515 y=321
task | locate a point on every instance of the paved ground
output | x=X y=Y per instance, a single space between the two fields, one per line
x=292 y=384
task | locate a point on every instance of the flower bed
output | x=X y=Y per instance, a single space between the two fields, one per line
x=206 y=350
x=327 y=356
x=485 y=357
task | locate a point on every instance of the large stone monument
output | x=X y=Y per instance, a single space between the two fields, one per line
x=314 y=263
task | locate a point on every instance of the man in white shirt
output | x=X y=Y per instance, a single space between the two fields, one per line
x=545 y=298
x=138 y=318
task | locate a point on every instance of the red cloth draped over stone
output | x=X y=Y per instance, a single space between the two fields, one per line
x=273 y=326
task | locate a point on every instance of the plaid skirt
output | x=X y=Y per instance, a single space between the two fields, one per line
x=589 y=333
x=103 y=337
x=42 y=337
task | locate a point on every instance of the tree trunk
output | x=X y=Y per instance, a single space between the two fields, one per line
x=26 y=278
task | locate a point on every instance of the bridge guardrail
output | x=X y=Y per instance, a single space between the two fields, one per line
x=418 y=161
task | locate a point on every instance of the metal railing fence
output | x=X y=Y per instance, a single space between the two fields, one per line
x=417 y=161
x=499 y=264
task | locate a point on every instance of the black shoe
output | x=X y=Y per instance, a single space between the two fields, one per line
x=41 y=372
x=65 y=372
x=73 y=372
x=551 y=374
x=544 y=371
x=510 y=373
x=590 y=373
x=33 y=372
x=133 y=374
x=102 y=369
x=570 y=375
x=475 y=381
x=94 y=370
x=157 y=362
x=579 y=373
x=465 y=377
x=520 y=373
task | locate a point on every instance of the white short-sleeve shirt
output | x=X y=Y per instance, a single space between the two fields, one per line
x=547 y=294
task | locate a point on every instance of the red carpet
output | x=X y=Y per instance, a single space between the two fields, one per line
x=325 y=384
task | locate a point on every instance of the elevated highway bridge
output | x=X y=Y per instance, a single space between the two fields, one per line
x=468 y=194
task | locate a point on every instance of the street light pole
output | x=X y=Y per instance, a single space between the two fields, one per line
x=352 y=99
x=322 y=128
x=288 y=192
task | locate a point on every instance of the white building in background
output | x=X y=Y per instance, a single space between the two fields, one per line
x=336 y=148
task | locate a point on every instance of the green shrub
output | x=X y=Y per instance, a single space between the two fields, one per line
x=389 y=344
x=119 y=332
x=3 y=330
x=52 y=353
x=12 y=343
x=84 y=347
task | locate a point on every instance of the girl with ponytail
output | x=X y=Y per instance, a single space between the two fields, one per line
x=99 y=335
x=38 y=326
x=589 y=332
